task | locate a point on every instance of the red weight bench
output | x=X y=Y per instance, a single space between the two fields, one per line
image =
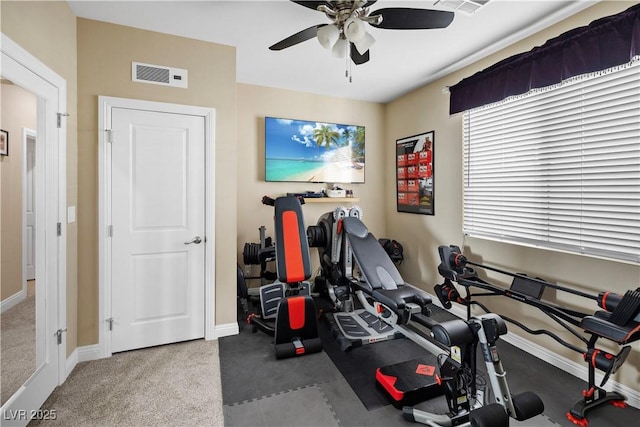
x=296 y=329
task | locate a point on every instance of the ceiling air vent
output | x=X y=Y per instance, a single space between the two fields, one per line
x=158 y=74
x=468 y=7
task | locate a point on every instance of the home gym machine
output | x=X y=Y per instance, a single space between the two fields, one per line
x=385 y=299
x=354 y=263
x=619 y=321
x=287 y=300
x=466 y=403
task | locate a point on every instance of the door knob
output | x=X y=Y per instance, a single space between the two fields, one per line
x=195 y=240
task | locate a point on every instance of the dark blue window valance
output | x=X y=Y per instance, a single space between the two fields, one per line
x=604 y=43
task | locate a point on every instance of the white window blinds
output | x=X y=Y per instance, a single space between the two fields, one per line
x=559 y=168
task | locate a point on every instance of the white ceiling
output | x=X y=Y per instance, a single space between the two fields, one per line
x=400 y=60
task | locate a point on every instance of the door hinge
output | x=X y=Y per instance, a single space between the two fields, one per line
x=60 y=116
x=108 y=136
x=59 y=228
x=58 y=334
x=110 y=322
x=110 y=230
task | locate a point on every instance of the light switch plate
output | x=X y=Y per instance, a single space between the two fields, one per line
x=71 y=214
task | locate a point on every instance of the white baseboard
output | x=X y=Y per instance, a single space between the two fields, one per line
x=578 y=370
x=226 y=330
x=81 y=354
x=14 y=299
x=72 y=361
x=88 y=352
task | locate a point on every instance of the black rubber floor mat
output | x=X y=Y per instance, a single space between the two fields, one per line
x=358 y=366
x=249 y=368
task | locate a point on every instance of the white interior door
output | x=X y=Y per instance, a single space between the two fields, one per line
x=29 y=204
x=158 y=206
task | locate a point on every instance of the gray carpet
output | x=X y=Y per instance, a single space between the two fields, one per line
x=177 y=385
x=17 y=346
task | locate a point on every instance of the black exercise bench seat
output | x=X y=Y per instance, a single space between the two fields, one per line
x=382 y=280
x=620 y=319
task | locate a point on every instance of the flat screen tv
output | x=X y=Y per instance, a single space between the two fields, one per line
x=304 y=151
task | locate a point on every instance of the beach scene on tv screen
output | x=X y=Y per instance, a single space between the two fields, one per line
x=304 y=151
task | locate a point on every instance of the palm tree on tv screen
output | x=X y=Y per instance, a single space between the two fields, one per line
x=348 y=134
x=357 y=147
x=325 y=135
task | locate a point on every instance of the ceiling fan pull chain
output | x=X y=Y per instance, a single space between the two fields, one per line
x=346 y=67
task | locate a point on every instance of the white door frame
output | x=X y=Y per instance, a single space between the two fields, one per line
x=26 y=71
x=105 y=104
x=26 y=135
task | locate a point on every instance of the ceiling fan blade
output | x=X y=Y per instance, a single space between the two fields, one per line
x=310 y=4
x=296 y=38
x=406 y=18
x=356 y=57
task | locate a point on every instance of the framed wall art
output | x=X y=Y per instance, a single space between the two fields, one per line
x=414 y=174
x=4 y=143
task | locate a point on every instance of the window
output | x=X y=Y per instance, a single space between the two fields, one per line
x=560 y=167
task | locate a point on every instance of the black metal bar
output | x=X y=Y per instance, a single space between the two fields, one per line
x=425 y=321
x=535 y=279
x=539 y=331
x=566 y=314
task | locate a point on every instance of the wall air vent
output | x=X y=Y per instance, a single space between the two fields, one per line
x=159 y=75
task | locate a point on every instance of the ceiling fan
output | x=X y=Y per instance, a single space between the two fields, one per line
x=347 y=31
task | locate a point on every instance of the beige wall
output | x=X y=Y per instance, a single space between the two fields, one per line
x=18 y=111
x=47 y=30
x=256 y=102
x=426 y=109
x=105 y=53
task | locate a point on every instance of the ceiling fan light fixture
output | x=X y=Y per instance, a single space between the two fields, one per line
x=364 y=44
x=328 y=35
x=354 y=30
x=340 y=48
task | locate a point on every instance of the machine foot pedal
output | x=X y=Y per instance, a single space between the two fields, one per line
x=408 y=383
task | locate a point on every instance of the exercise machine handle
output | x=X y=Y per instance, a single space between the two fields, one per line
x=608 y=300
x=266 y=200
x=270 y=201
